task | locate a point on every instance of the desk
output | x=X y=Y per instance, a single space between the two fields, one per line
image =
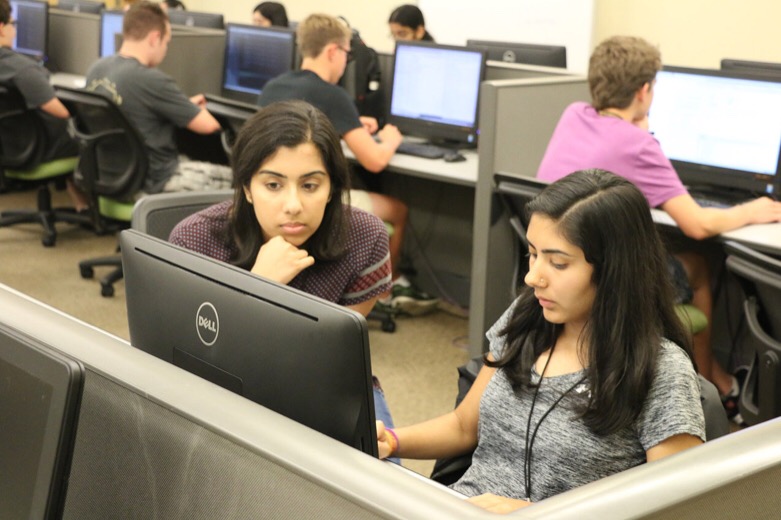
x=763 y=237
x=462 y=173
x=438 y=241
x=65 y=79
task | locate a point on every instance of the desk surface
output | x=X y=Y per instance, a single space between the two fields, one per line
x=65 y=79
x=764 y=237
x=463 y=173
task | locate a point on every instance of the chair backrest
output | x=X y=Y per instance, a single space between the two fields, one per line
x=113 y=159
x=760 y=277
x=22 y=132
x=157 y=214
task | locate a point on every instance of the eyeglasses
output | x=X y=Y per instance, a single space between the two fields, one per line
x=347 y=53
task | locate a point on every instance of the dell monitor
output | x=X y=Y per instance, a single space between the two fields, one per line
x=253 y=56
x=81 y=6
x=40 y=394
x=195 y=19
x=435 y=92
x=110 y=26
x=721 y=130
x=528 y=53
x=32 y=28
x=294 y=353
x=751 y=67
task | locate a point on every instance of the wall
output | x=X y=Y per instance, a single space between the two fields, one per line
x=695 y=33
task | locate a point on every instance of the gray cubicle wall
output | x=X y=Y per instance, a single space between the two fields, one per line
x=517 y=118
x=73 y=41
x=195 y=59
x=156 y=442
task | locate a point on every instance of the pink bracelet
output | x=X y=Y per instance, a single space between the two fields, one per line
x=395 y=449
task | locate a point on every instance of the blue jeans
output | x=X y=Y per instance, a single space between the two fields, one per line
x=382 y=412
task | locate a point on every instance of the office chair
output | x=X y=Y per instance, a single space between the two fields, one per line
x=760 y=278
x=111 y=170
x=23 y=143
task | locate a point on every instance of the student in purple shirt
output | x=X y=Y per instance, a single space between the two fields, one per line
x=611 y=133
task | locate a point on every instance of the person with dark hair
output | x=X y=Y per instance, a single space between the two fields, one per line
x=290 y=220
x=153 y=102
x=173 y=4
x=324 y=43
x=270 y=14
x=589 y=371
x=612 y=133
x=406 y=23
x=31 y=80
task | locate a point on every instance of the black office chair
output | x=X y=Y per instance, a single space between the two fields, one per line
x=158 y=214
x=23 y=143
x=112 y=167
x=760 y=278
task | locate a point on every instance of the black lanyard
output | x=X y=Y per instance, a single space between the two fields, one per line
x=529 y=441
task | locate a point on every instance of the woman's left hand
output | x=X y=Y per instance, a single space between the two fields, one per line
x=497 y=504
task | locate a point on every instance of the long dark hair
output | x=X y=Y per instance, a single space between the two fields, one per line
x=608 y=218
x=274 y=12
x=288 y=124
x=409 y=15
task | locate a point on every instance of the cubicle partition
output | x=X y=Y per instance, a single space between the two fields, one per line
x=195 y=59
x=154 y=441
x=517 y=118
x=73 y=41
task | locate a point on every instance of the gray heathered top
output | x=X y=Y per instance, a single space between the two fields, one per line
x=565 y=453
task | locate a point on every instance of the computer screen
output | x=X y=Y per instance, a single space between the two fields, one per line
x=529 y=53
x=287 y=350
x=720 y=129
x=435 y=91
x=253 y=56
x=195 y=19
x=40 y=394
x=110 y=26
x=32 y=27
x=81 y=6
x=751 y=67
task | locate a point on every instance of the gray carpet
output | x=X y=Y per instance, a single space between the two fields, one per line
x=416 y=364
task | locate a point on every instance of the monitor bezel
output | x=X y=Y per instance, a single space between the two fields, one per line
x=440 y=133
x=706 y=177
x=44 y=54
x=764 y=68
x=492 y=47
x=81 y=6
x=66 y=376
x=175 y=16
x=138 y=249
x=241 y=95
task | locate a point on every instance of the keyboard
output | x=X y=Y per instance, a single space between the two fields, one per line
x=706 y=202
x=428 y=151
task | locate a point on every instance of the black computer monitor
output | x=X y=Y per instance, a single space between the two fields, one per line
x=287 y=350
x=253 y=56
x=32 y=27
x=435 y=91
x=528 y=53
x=751 y=67
x=81 y=6
x=196 y=19
x=721 y=130
x=110 y=26
x=40 y=394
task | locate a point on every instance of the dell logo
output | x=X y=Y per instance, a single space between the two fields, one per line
x=207 y=323
x=508 y=56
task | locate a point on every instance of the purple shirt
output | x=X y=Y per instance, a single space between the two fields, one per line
x=583 y=139
x=361 y=274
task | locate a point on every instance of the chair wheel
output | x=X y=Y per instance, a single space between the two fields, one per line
x=49 y=241
x=86 y=271
x=106 y=290
x=388 y=326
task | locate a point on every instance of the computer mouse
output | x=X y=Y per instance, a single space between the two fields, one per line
x=453 y=157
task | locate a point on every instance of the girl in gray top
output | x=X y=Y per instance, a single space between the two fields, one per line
x=589 y=371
